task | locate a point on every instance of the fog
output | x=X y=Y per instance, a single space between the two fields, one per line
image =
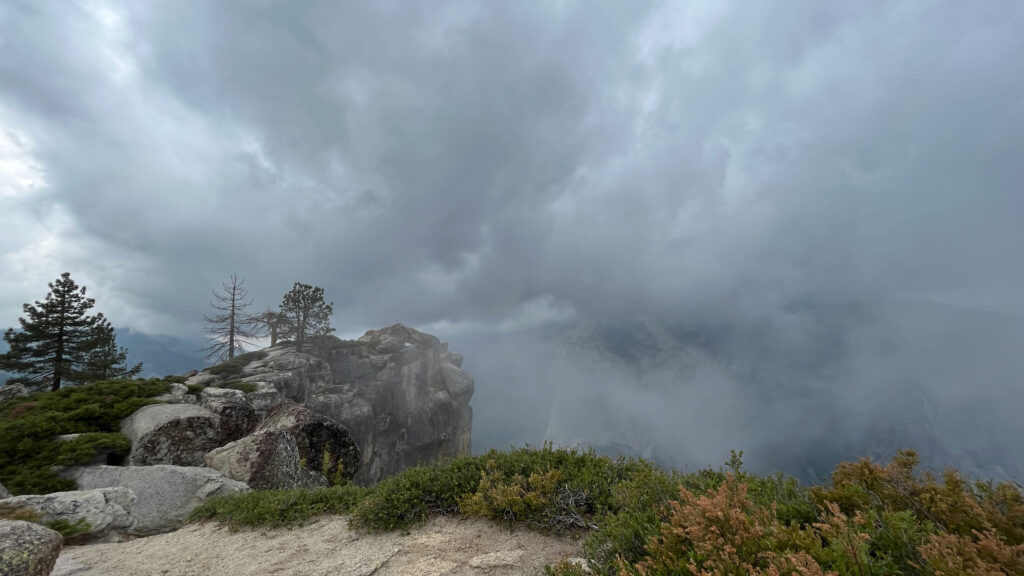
x=819 y=204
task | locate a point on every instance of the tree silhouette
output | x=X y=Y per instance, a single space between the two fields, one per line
x=307 y=313
x=230 y=329
x=57 y=338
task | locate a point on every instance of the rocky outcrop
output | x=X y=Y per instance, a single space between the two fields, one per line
x=237 y=416
x=265 y=460
x=177 y=434
x=12 y=391
x=28 y=549
x=104 y=514
x=403 y=395
x=164 y=495
x=324 y=445
x=4 y=493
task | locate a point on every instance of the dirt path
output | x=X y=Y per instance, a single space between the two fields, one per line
x=444 y=546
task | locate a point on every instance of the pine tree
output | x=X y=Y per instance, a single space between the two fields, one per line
x=106 y=361
x=55 y=340
x=307 y=313
x=231 y=329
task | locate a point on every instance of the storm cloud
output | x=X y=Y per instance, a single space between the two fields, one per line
x=474 y=168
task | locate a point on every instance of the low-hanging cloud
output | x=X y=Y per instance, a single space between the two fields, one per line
x=497 y=165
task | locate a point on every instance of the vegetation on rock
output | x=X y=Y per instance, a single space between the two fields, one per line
x=29 y=427
x=235 y=366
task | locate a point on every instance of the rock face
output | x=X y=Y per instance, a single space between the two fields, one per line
x=401 y=393
x=164 y=495
x=27 y=549
x=108 y=511
x=178 y=434
x=12 y=391
x=265 y=460
x=237 y=416
x=404 y=397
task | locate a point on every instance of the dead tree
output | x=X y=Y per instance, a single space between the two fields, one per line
x=230 y=329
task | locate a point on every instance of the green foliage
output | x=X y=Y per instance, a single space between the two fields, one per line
x=639 y=519
x=235 y=366
x=279 y=508
x=59 y=342
x=195 y=388
x=69 y=530
x=410 y=497
x=28 y=426
x=307 y=313
x=84 y=448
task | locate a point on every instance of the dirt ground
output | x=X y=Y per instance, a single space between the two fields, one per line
x=443 y=546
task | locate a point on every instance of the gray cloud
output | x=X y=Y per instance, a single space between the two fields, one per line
x=468 y=167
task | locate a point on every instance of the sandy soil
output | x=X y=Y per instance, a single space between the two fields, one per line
x=443 y=546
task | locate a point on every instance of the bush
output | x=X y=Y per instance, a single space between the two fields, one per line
x=28 y=426
x=410 y=497
x=235 y=366
x=871 y=520
x=279 y=508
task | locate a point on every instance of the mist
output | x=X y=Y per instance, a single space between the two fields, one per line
x=792 y=230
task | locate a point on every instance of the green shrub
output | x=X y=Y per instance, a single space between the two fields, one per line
x=28 y=426
x=279 y=508
x=410 y=497
x=235 y=366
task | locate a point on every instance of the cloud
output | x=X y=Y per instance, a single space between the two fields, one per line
x=502 y=166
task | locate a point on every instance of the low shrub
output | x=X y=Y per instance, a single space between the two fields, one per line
x=235 y=366
x=28 y=448
x=279 y=508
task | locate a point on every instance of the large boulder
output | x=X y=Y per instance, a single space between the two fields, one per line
x=103 y=514
x=265 y=460
x=165 y=494
x=237 y=416
x=403 y=395
x=178 y=434
x=27 y=549
x=323 y=444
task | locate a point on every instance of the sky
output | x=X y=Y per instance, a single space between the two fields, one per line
x=483 y=168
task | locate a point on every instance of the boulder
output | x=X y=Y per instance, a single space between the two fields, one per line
x=11 y=391
x=27 y=549
x=200 y=379
x=177 y=389
x=4 y=493
x=165 y=494
x=105 y=514
x=323 y=444
x=264 y=398
x=179 y=434
x=265 y=460
x=237 y=416
x=403 y=396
